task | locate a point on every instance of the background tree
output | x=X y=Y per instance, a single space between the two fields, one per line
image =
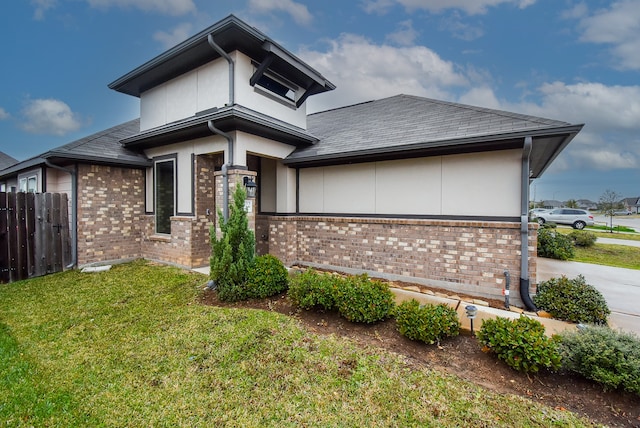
x=572 y=203
x=608 y=203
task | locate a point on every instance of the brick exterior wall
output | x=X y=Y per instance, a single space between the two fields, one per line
x=462 y=256
x=110 y=213
x=188 y=244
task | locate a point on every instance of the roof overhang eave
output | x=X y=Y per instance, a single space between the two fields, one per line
x=228 y=119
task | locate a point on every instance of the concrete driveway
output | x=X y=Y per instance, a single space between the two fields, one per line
x=620 y=287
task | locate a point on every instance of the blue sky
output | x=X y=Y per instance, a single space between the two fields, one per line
x=561 y=59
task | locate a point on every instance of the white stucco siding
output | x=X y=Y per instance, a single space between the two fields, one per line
x=410 y=186
x=479 y=184
x=483 y=184
x=268 y=192
x=184 y=153
x=254 y=98
x=248 y=143
x=58 y=181
x=350 y=189
x=286 y=192
x=200 y=89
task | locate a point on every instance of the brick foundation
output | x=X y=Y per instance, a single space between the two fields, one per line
x=463 y=256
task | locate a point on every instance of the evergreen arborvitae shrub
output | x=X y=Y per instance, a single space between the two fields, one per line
x=572 y=300
x=312 y=289
x=554 y=245
x=267 y=277
x=360 y=299
x=521 y=343
x=233 y=253
x=426 y=323
x=606 y=356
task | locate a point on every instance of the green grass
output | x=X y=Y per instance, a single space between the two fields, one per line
x=133 y=347
x=610 y=255
x=616 y=228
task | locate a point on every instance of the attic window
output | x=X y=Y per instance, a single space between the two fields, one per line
x=275 y=84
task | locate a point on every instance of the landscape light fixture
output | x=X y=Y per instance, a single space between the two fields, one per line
x=251 y=187
x=472 y=311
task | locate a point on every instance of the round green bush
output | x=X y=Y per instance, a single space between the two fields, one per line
x=608 y=357
x=572 y=300
x=428 y=323
x=267 y=277
x=360 y=299
x=582 y=238
x=554 y=245
x=312 y=289
x=521 y=343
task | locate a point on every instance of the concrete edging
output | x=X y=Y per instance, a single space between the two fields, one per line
x=552 y=326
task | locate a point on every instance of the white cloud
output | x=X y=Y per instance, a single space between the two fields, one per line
x=611 y=114
x=460 y=29
x=177 y=35
x=49 y=117
x=41 y=6
x=299 y=12
x=618 y=26
x=4 y=114
x=169 y=7
x=363 y=71
x=470 y=7
x=405 y=35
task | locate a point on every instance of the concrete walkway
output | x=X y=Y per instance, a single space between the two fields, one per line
x=619 y=286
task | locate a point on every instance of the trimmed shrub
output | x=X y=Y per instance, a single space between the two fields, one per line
x=360 y=299
x=608 y=357
x=521 y=343
x=267 y=277
x=233 y=253
x=554 y=245
x=428 y=323
x=312 y=289
x=572 y=300
x=582 y=238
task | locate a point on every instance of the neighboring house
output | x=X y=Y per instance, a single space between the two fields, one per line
x=631 y=204
x=552 y=203
x=5 y=162
x=586 y=204
x=403 y=187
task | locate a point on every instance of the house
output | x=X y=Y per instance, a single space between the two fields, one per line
x=631 y=204
x=403 y=187
x=5 y=162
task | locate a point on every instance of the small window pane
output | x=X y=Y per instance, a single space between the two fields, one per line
x=32 y=184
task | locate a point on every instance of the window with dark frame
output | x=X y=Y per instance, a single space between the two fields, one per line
x=165 y=195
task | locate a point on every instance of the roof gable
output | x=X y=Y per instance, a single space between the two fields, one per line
x=6 y=161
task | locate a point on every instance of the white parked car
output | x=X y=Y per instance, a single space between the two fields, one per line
x=623 y=212
x=574 y=217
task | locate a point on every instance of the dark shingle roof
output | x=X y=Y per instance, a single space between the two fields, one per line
x=6 y=161
x=410 y=124
x=405 y=120
x=103 y=147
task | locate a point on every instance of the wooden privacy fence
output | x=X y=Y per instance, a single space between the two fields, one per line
x=34 y=235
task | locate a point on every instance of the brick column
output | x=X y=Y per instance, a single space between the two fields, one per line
x=236 y=178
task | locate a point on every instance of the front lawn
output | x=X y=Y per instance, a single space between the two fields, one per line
x=133 y=347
